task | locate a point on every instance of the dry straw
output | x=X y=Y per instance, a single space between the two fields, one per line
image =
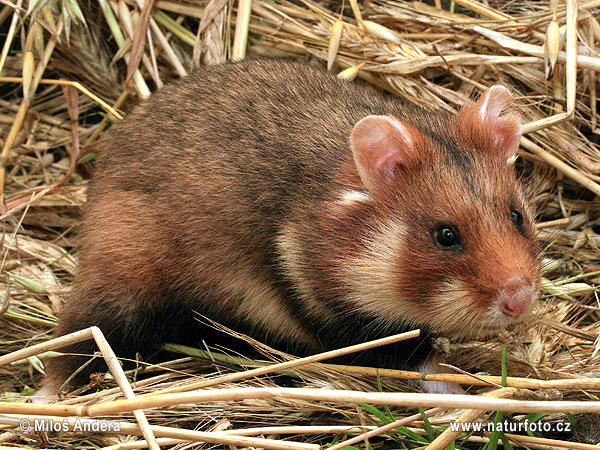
x=109 y=54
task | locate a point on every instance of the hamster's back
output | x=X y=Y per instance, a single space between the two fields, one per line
x=261 y=124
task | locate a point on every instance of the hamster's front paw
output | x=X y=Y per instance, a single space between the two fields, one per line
x=439 y=387
x=432 y=366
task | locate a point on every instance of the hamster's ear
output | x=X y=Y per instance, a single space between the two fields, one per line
x=381 y=145
x=485 y=124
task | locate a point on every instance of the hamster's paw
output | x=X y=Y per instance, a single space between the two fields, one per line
x=439 y=387
x=432 y=366
x=48 y=393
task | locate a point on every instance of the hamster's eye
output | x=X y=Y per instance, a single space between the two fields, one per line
x=446 y=237
x=517 y=219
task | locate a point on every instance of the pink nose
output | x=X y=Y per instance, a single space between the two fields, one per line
x=516 y=297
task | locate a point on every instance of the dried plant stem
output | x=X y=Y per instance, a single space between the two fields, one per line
x=242 y=23
x=192 y=10
x=390 y=426
x=571 y=51
x=163 y=442
x=52 y=344
x=408 y=66
x=217 y=437
x=567 y=329
x=356 y=12
x=24 y=106
x=111 y=361
x=446 y=401
x=105 y=121
x=551 y=443
x=313 y=429
x=547 y=122
x=140 y=35
x=10 y=35
x=470 y=415
x=478 y=380
x=325 y=395
x=10 y=139
x=117 y=371
x=76 y=85
x=553 y=223
x=482 y=9
x=583 y=61
x=561 y=166
x=294 y=363
x=171 y=55
x=571 y=76
x=530 y=441
x=269 y=431
x=112 y=22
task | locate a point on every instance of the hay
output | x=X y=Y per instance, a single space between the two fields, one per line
x=547 y=52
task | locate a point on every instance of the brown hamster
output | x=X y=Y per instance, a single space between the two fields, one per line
x=305 y=211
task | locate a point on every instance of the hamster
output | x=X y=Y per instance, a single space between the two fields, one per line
x=305 y=211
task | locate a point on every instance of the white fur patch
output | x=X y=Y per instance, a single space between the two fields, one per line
x=294 y=264
x=371 y=275
x=450 y=309
x=261 y=305
x=432 y=366
x=455 y=312
x=350 y=197
x=47 y=394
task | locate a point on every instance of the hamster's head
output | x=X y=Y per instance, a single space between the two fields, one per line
x=451 y=245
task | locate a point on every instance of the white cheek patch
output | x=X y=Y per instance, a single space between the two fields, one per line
x=372 y=276
x=370 y=272
x=455 y=312
x=449 y=308
x=349 y=197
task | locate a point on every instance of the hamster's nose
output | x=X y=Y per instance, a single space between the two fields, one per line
x=516 y=296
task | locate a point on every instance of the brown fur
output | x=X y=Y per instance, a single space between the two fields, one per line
x=234 y=193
